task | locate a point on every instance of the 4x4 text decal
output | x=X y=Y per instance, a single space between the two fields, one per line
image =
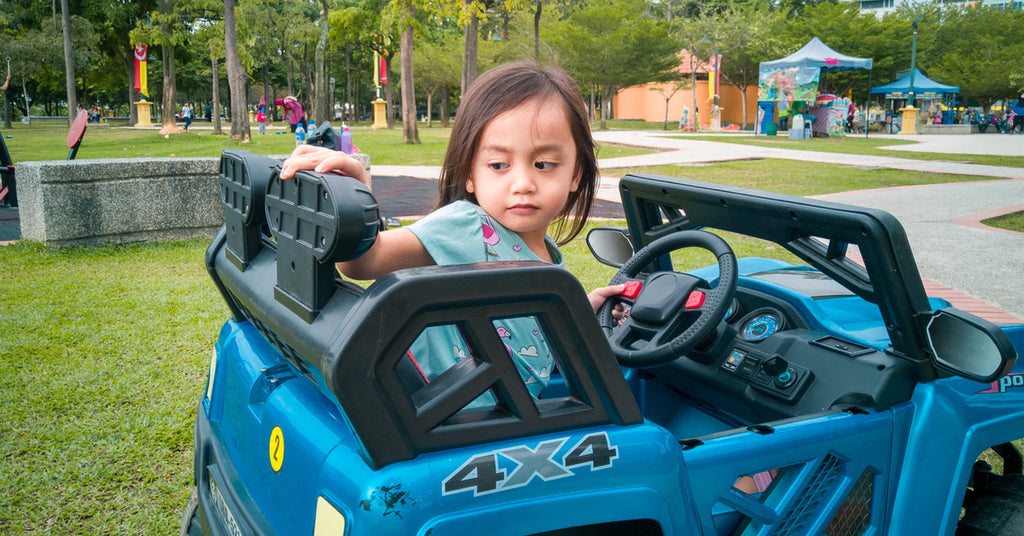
x=487 y=473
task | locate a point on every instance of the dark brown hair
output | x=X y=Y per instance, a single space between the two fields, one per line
x=502 y=89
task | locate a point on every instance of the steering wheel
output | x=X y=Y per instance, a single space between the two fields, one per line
x=673 y=312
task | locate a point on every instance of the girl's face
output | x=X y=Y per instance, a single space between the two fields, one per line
x=524 y=169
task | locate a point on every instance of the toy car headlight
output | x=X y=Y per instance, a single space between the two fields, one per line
x=211 y=375
x=329 y=521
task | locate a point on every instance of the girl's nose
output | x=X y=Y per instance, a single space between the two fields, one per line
x=522 y=180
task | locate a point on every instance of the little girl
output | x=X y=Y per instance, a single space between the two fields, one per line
x=261 y=119
x=520 y=157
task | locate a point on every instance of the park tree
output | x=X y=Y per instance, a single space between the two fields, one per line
x=612 y=44
x=322 y=102
x=69 y=61
x=750 y=42
x=401 y=15
x=363 y=26
x=438 y=69
x=700 y=33
x=237 y=77
x=843 y=27
x=986 y=69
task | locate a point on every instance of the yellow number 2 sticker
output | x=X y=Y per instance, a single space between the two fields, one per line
x=276 y=448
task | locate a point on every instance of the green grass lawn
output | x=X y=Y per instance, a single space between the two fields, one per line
x=1010 y=222
x=866 y=146
x=48 y=141
x=104 y=373
x=796 y=177
x=106 y=349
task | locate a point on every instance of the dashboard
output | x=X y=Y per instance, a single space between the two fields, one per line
x=775 y=357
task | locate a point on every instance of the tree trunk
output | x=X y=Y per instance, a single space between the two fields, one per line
x=430 y=113
x=469 y=53
x=743 y=100
x=168 y=102
x=443 y=114
x=693 y=92
x=348 y=84
x=236 y=77
x=133 y=96
x=605 y=106
x=266 y=82
x=69 y=63
x=536 y=30
x=216 y=96
x=410 y=133
x=322 y=100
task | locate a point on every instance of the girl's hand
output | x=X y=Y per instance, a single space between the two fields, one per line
x=598 y=296
x=324 y=160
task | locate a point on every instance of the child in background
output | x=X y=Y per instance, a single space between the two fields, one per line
x=261 y=119
x=520 y=158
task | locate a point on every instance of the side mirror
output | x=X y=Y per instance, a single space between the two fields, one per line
x=968 y=346
x=610 y=245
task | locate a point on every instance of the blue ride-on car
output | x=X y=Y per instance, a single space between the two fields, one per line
x=748 y=397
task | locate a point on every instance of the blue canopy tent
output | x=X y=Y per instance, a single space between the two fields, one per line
x=817 y=55
x=924 y=88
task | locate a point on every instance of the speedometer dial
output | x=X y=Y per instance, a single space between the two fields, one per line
x=761 y=324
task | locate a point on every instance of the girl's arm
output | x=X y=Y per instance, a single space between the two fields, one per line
x=393 y=250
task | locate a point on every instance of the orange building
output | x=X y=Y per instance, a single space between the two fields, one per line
x=648 y=101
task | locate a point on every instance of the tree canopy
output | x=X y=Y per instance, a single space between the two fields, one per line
x=322 y=51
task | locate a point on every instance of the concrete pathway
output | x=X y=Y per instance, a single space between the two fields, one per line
x=978 y=268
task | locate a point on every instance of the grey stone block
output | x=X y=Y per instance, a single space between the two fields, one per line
x=67 y=203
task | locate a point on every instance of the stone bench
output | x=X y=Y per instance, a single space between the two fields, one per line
x=65 y=203
x=947 y=129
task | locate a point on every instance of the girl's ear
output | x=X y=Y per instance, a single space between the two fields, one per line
x=470 y=187
x=575 y=184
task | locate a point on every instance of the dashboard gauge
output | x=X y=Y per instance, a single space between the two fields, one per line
x=733 y=312
x=761 y=324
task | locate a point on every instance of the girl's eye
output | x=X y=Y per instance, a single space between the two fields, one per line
x=546 y=166
x=497 y=166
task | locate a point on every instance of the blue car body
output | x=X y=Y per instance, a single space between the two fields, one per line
x=304 y=428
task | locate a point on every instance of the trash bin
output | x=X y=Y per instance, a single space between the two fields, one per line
x=766 y=115
x=772 y=129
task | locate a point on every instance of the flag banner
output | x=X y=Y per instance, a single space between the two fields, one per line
x=714 y=78
x=140 y=70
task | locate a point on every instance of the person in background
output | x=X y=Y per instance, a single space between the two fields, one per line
x=293 y=112
x=186 y=115
x=261 y=119
x=1018 y=119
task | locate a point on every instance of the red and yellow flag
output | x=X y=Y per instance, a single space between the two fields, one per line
x=140 y=70
x=714 y=67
